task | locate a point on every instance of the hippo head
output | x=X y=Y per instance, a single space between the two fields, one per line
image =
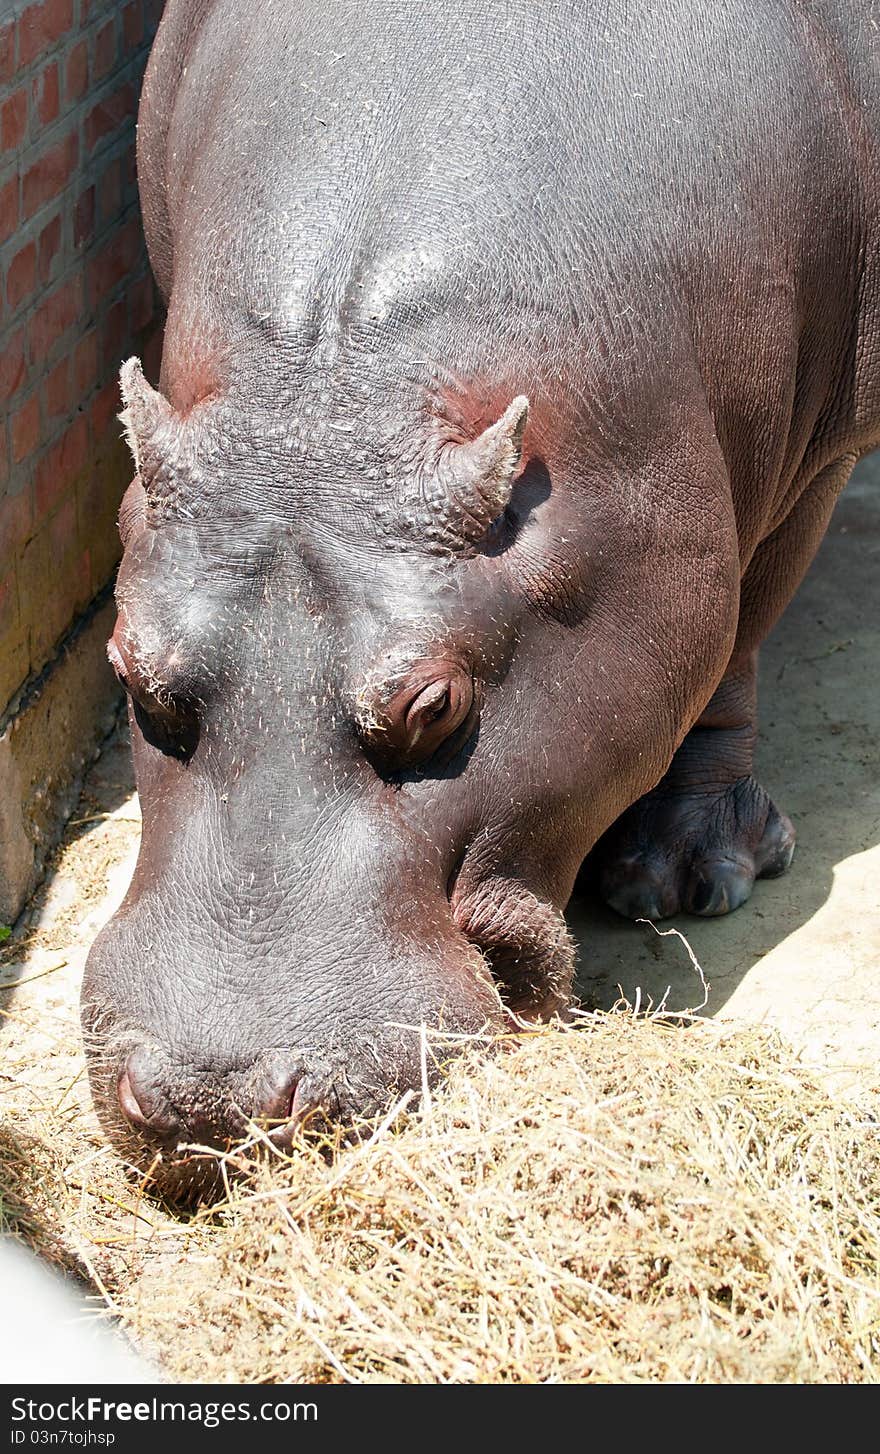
x=374 y=735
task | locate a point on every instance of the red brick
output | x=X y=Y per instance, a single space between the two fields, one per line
x=62 y=529
x=12 y=364
x=152 y=356
x=37 y=602
x=50 y=242
x=76 y=72
x=50 y=174
x=85 y=576
x=105 y=405
x=41 y=26
x=75 y=446
x=85 y=364
x=129 y=166
x=48 y=483
x=105 y=48
x=45 y=93
x=21 y=275
x=8 y=603
x=109 y=114
x=80 y=577
x=133 y=25
x=60 y=465
x=56 y=390
x=141 y=303
x=111 y=191
x=114 y=259
x=84 y=217
x=8 y=208
x=13 y=120
x=98 y=493
x=55 y=315
x=113 y=335
x=7 y=53
x=25 y=429
x=16 y=522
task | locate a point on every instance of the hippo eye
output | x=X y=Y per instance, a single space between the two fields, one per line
x=431 y=707
x=167 y=723
x=417 y=712
x=120 y=664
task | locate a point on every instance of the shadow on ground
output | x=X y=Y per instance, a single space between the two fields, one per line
x=63 y=898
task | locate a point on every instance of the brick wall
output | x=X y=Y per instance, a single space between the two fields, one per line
x=76 y=298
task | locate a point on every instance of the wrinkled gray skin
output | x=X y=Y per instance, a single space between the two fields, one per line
x=376 y=227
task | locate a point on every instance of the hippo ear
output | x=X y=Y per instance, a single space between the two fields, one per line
x=479 y=475
x=149 y=421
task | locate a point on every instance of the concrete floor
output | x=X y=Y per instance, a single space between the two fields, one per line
x=804 y=953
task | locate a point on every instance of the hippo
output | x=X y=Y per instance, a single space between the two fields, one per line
x=515 y=357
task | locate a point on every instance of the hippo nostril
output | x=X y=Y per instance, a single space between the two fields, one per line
x=131 y=1106
x=281 y=1096
x=142 y=1101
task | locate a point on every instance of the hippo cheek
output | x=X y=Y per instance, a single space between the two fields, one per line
x=524 y=940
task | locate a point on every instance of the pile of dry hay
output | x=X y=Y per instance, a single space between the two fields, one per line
x=626 y=1201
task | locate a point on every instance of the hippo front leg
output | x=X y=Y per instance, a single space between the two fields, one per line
x=700 y=839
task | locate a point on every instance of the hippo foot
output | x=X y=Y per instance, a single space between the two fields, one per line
x=698 y=851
